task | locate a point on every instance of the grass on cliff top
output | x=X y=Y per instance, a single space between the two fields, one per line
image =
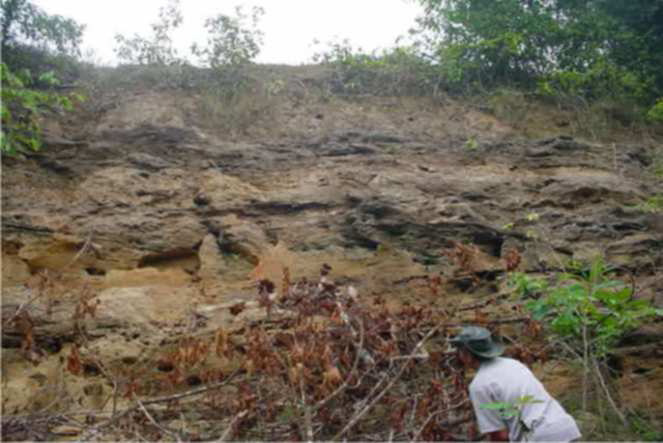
x=235 y=101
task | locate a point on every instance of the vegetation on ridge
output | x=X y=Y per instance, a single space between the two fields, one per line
x=575 y=53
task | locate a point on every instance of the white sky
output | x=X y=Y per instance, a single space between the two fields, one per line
x=290 y=26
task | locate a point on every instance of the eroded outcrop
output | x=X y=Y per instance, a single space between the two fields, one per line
x=167 y=222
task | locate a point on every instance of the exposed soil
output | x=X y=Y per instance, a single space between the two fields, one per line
x=177 y=216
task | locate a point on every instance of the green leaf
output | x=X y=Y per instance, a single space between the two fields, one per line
x=49 y=78
x=527 y=400
x=495 y=406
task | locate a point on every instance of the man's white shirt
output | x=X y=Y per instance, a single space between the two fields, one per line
x=504 y=380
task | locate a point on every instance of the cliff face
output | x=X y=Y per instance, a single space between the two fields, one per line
x=163 y=212
x=152 y=190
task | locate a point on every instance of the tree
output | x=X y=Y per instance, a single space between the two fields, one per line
x=232 y=44
x=31 y=42
x=157 y=50
x=231 y=40
x=489 y=42
x=21 y=106
x=24 y=24
x=590 y=47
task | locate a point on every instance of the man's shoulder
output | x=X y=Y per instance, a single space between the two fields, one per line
x=509 y=362
x=495 y=368
x=499 y=364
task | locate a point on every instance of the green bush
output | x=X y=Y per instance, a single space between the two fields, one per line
x=590 y=48
x=231 y=40
x=21 y=107
x=653 y=204
x=589 y=310
x=26 y=25
x=399 y=71
x=35 y=45
x=655 y=114
x=525 y=286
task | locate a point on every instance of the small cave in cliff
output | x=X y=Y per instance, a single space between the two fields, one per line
x=95 y=271
x=490 y=242
x=184 y=258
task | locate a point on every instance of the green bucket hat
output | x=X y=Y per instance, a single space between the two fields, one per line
x=478 y=341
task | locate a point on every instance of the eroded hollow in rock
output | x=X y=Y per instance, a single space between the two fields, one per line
x=184 y=258
x=95 y=271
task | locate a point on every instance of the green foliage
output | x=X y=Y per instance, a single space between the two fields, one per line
x=591 y=309
x=481 y=44
x=471 y=144
x=645 y=429
x=395 y=72
x=232 y=44
x=37 y=41
x=653 y=204
x=588 y=48
x=657 y=167
x=158 y=49
x=233 y=41
x=26 y=24
x=509 y=410
x=600 y=80
x=525 y=286
x=655 y=114
x=33 y=44
x=21 y=107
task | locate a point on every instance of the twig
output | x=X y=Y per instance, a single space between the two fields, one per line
x=27 y=303
x=44 y=416
x=449 y=423
x=20 y=309
x=481 y=304
x=116 y=391
x=240 y=415
x=114 y=418
x=192 y=391
x=173 y=434
x=585 y=373
x=413 y=412
x=353 y=421
x=607 y=393
x=346 y=382
x=58 y=396
x=308 y=425
x=82 y=251
x=422 y=356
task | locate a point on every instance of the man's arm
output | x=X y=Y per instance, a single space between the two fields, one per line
x=489 y=421
x=501 y=435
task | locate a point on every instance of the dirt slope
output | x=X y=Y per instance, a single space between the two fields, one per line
x=173 y=212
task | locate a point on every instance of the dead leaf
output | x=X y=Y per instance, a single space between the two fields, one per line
x=74 y=361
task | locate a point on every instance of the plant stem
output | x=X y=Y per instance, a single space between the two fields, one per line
x=585 y=359
x=599 y=375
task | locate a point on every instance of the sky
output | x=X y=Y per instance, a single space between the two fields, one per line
x=290 y=26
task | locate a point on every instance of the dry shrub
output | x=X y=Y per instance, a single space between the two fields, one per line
x=326 y=364
x=234 y=100
x=272 y=262
x=510 y=106
x=234 y=115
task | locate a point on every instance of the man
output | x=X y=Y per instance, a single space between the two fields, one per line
x=528 y=412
